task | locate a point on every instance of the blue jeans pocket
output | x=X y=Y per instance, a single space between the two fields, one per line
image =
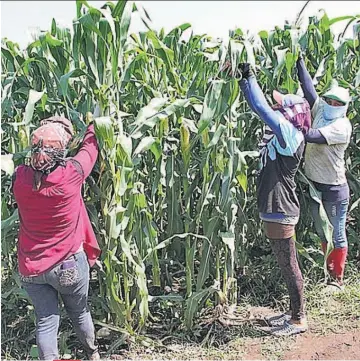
x=68 y=273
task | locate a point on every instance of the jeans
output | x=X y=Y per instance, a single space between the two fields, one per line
x=70 y=279
x=336 y=212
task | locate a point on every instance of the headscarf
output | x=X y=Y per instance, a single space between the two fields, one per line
x=295 y=109
x=49 y=143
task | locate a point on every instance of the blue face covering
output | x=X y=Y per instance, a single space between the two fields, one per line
x=332 y=112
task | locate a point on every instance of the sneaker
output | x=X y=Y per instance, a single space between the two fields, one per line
x=288 y=329
x=277 y=320
x=95 y=356
x=337 y=285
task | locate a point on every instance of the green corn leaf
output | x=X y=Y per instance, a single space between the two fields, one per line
x=8 y=223
x=229 y=239
x=144 y=145
x=193 y=303
x=210 y=105
x=64 y=80
x=341 y=18
x=249 y=53
x=118 y=10
x=281 y=59
x=34 y=97
x=125 y=22
x=167 y=241
x=88 y=22
x=52 y=41
x=325 y=224
x=215 y=139
x=150 y=115
x=107 y=15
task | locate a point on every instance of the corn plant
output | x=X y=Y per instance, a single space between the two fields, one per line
x=173 y=191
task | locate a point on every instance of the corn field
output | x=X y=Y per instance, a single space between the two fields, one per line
x=172 y=196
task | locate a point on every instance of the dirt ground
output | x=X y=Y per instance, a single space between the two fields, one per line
x=338 y=343
x=309 y=346
x=334 y=341
x=342 y=346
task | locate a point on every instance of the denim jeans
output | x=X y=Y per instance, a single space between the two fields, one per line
x=336 y=212
x=70 y=280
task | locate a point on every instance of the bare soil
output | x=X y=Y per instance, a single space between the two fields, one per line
x=344 y=346
x=341 y=342
x=341 y=346
x=310 y=346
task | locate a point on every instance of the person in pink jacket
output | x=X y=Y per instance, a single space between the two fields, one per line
x=57 y=244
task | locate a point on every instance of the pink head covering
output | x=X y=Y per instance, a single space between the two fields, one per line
x=295 y=109
x=49 y=142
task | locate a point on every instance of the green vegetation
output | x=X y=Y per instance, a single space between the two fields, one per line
x=172 y=197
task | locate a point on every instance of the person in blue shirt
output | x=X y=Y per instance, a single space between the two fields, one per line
x=281 y=151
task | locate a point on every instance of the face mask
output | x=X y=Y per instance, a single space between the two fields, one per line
x=331 y=112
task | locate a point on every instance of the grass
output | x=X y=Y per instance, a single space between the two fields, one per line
x=260 y=294
x=327 y=313
x=332 y=313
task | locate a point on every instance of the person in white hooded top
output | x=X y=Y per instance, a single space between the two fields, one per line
x=327 y=142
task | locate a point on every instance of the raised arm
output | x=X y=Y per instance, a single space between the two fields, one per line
x=244 y=86
x=306 y=82
x=257 y=102
x=88 y=152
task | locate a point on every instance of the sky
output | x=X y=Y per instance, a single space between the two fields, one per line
x=19 y=19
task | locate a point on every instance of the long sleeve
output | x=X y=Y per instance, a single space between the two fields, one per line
x=244 y=86
x=315 y=136
x=88 y=152
x=306 y=82
x=257 y=102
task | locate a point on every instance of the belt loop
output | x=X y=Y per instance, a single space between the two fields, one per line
x=75 y=257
